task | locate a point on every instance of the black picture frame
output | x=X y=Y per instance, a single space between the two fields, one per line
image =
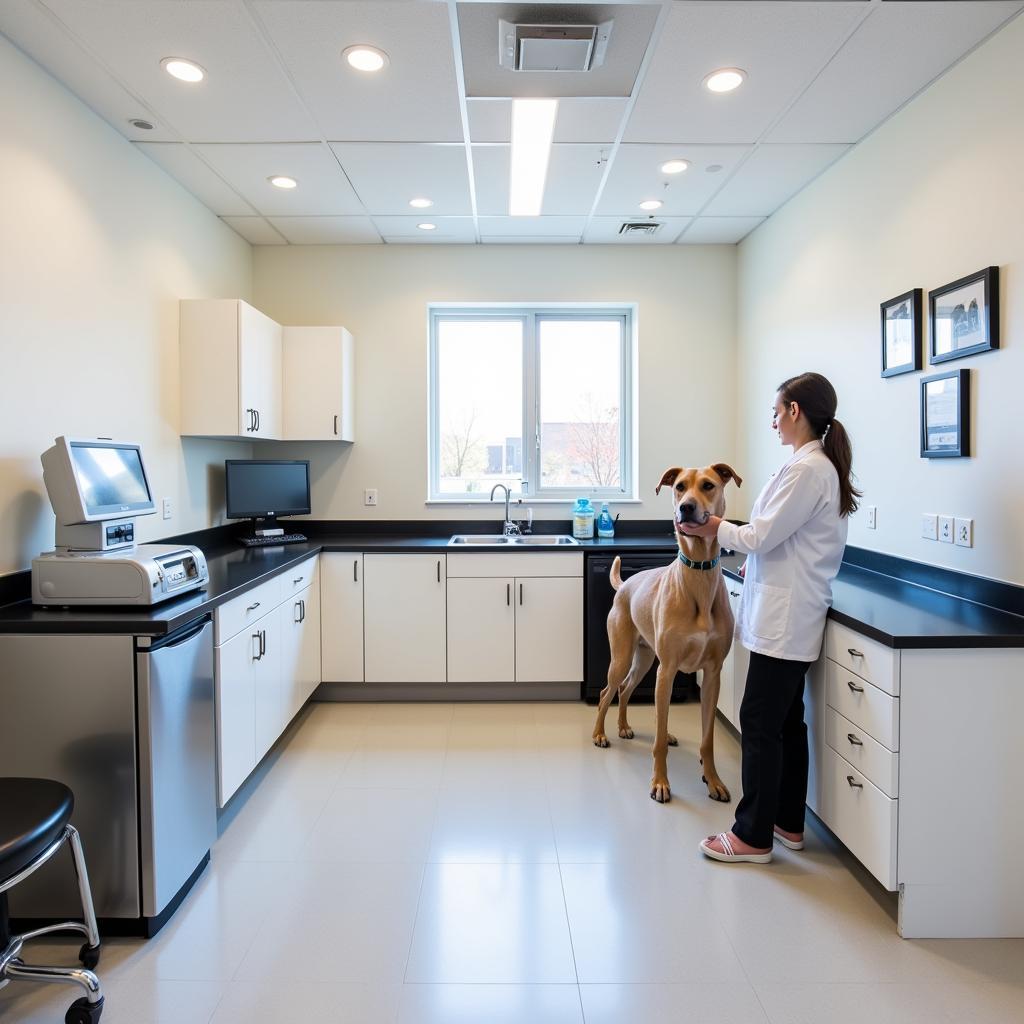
x=902 y=333
x=946 y=416
x=968 y=321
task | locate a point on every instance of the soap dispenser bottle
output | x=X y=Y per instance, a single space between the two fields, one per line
x=605 y=523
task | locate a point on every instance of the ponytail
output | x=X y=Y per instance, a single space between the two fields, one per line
x=817 y=399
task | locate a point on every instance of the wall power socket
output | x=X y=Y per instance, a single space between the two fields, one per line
x=370 y=496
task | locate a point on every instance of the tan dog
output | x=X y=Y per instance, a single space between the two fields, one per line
x=679 y=615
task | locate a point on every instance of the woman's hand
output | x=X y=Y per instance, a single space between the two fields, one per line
x=707 y=529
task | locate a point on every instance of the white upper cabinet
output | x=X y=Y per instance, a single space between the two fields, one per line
x=230 y=370
x=317 y=384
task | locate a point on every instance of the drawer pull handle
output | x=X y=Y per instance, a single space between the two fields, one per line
x=853 y=739
x=853 y=652
x=355 y=571
x=253 y=607
x=734 y=593
x=853 y=783
x=508 y=594
x=299 y=579
x=439 y=570
x=854 y=687
x=335 y=426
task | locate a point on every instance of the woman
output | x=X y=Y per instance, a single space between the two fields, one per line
x=795 y=541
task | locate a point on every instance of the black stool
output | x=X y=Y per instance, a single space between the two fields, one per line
x=34 y=825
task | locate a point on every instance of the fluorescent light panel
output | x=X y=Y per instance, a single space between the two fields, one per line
x=533 y=124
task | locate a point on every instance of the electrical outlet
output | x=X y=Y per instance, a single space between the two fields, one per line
x=168 y=510
x=930 y=526
x=872 y=511
x=370 y=496
x=965 y=533
x=946 y=529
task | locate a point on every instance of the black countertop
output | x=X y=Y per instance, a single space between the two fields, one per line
x=891 y=610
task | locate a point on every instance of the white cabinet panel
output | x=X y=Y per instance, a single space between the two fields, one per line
x=481 y=631
x=266 y=675
x=868 y=707
x=259 y=373
x=871 y=660
x=549 y=629
x=300 y=624
x=317 y=384
x=236 y=711
x=404 y=618
x=878 y=763
x=341 y=617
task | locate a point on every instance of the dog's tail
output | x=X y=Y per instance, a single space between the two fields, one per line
x=615 y=575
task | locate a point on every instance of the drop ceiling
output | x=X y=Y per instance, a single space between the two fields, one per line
x=436 y=122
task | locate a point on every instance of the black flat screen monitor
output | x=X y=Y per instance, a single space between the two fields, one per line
x=266 y=488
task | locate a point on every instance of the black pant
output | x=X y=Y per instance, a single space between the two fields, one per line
x=774 y=741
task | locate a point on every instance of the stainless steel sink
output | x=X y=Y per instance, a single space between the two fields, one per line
x=480 y=539
x=541 y=541
x=491 y=540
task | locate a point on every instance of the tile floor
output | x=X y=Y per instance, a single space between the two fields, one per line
x=485 y=863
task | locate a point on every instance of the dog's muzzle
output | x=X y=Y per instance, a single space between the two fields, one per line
x=689 y=513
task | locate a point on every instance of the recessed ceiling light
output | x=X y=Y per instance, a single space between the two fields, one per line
x=426 y=227
x=365 y=58
x=533 y=124
x=651 y=204
x=282 y=181
x=183 y=70
x=724 y=79
x=421 y=203
x=674 y=166
x=142 y=124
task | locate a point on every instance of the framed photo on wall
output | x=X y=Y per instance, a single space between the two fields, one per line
x=945 y=415
x=901 y=333
x=964 y=316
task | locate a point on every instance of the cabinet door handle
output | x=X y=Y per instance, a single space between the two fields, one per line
x=853 y=783
x=335 y=424
x=263 y=642
x=259 y=646
x=303 y=603
x=252 y=421
x=734 y=593
x=355 y=571
x=508 y=594
x=253 y=607
x=520 y=594
x=854 y=688
x=853 y=652
x=257 y=419
x=298 y=579
x=854 y=740
x=297 y=610
x=439 y=570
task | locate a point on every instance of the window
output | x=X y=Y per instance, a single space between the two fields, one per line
x=538 y=399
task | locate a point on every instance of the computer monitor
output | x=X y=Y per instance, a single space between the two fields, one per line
x=262 y=489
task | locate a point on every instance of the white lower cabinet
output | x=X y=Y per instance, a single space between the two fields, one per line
x=266 y=674
x=481 y=631
x=341 y=616
x=549 y=630
x=300 y=646
x=235 y=687
x=404 y=618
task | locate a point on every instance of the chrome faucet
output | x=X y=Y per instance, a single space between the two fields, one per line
x=509 y=528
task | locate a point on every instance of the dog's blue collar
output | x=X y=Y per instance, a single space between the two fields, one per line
x=705 y=565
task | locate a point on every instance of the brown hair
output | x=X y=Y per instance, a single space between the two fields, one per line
x=817 y=400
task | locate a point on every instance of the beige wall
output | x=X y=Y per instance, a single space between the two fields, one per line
x=933 y=195
x=686 y=299
x=98 y=245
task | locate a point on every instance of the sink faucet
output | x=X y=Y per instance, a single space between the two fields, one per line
x=509 y=528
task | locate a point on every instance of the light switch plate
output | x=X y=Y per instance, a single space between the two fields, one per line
x=946 y=529
x=370 y=496
x=930 y=526
x=872 y=511
x=965 y=533
x=167 y=508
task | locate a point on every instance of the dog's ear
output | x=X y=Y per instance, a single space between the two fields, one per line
x=668 y=477
x=727 y=473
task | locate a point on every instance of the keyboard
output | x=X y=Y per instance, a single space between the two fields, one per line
x=282 y=538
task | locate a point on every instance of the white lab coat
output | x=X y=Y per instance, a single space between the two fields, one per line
x=795 y=541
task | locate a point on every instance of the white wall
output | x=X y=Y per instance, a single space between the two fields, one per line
x=98 y=245
x=933 y=195
x=686 y=300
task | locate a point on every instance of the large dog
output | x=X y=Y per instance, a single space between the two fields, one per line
x=680 y=615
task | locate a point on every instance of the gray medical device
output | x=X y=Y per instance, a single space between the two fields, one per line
x=96 y=488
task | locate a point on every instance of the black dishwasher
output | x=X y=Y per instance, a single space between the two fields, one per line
x=599 y=597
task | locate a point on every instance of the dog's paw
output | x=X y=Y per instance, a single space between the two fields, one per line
x=717 y=790
x=625 y=733
x=661 y=791
x=672 y=741
x=600 y=740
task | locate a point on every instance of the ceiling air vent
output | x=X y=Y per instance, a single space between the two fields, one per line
x=640 y=227
x=552 y=47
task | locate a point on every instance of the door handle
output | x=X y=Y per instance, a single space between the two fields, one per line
x=298 y=609
x=355 y=570
x=252 y=421
x=257 y=419
x=253 y=607
x=854 y=688
x=259 y=646
x=263 y=642
x=853 y=652
x=520 y=594
x=734 y=593
x=335 y=424
x=439 y=570
x=853 y=784
x=854 y=740
x=303 y=603
x=298 y=579
x=508 y=594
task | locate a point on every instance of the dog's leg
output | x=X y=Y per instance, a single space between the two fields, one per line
x=622 y=638
x=643 y=659
x=660 y=789
x=710 y=685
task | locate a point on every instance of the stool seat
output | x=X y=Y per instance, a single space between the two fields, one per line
x=33 y=815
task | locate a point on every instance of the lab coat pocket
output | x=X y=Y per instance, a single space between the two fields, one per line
x=769 y=610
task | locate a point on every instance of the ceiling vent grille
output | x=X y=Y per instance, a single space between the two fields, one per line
x=552 y=47
x=642 y=227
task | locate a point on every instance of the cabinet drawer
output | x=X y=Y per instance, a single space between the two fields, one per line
x=298 y=577
x=865 y=705
x=861 y=815
x=878 y=763
x=515 y=563
x=233 y=616
x=871 y=660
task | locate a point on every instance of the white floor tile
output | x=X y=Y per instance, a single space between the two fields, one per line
x=734 y=1003
x=293 y=1002
x=493 y=1004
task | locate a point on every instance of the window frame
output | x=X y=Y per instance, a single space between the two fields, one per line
x=531 y=314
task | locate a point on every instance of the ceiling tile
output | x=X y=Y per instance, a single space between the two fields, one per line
x=182 y=164
x=574 y=172
x=386 y=175
x=531 y=240
x=245 y=95
x=590 y=119
x=254 y=230
x=606 y=230
x=636 y=175
x=532 y=227
x=327 y=230
x=770 y=177
x=414 y=99
x=404 y=229
x=323 y=188
x=718 y=230
x=896 y=52
x=780 y=46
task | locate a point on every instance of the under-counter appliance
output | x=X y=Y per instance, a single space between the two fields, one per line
x=128 y=724
x=599 y=596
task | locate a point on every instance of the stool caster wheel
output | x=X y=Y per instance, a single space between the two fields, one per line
x=82 y=1011
x=89 y=956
